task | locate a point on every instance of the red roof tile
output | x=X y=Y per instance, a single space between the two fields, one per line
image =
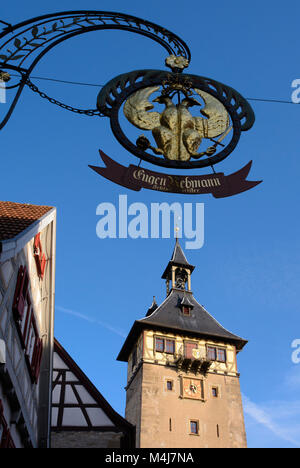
x=16 y=217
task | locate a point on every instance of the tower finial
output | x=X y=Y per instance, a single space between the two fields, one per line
x=177 y=228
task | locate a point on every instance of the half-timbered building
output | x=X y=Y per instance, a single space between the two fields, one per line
x=27 y=270
x=81 y=416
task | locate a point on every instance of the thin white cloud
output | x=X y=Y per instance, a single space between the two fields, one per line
x=280 y=417
x=79 y=315
x=292 y=380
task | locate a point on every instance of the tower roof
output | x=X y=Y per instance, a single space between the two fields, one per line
x=200 y=322
x=169 y=318
x=178 y=255
x=178 y=259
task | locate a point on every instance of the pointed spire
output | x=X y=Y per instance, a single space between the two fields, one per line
x=178 y=259
x=152 y=308
x=178 y=255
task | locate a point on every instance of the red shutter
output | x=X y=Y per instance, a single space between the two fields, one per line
x=20 y=282
x=20 y=293
x=37 y=241
x=43 y=265
x=3 y=440
x=6 y=440
x=2 y=425
x=26 y=321
x=40 y=258
x=10 y=443
x=189 y=349
x=36 y=359
x=37 y=252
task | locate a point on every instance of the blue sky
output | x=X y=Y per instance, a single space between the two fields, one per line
x=247 y=272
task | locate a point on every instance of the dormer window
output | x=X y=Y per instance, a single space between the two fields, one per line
x=186 y=306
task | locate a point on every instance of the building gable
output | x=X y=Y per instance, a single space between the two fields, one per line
x=76 y=403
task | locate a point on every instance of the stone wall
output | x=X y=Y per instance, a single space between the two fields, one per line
x=85 y=439
x=163 y=416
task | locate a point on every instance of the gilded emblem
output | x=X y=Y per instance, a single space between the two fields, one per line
x=185 y=121
x=176 y=62
x=177 y=133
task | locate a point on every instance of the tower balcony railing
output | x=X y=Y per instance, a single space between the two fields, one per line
x=192 y=361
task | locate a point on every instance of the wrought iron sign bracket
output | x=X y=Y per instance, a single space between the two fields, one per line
x=192 y=121
x=23 y=45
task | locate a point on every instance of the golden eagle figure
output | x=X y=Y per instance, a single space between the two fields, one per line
x=177 y=133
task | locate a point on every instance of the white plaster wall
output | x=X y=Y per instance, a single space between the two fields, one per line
x=27 y=392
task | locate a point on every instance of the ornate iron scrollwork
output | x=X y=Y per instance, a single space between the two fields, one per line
x=180 y=138
x=23 y=45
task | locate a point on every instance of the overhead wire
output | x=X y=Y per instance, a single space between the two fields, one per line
x=62 y=81
x=278 y=101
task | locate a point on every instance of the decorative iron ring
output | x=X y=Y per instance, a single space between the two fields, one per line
x=116 y=92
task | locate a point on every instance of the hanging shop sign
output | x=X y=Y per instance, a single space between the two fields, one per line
x=167 y=118
x=188 y=122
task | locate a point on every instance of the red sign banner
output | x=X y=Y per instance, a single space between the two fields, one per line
x=136 y=178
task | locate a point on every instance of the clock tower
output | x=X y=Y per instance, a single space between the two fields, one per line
x=183 y=386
